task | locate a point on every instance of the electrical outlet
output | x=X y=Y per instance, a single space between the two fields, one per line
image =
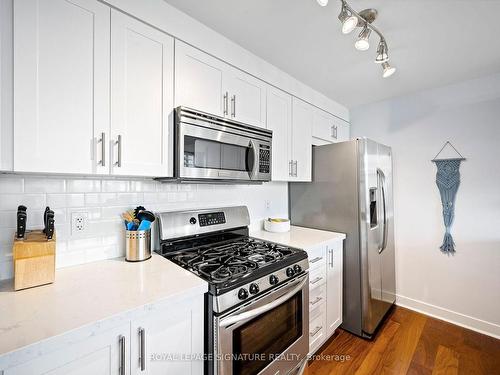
x=79 y=223
x=268 y=204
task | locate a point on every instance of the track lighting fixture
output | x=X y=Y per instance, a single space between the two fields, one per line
x=348 y=20
x=382 y=55
x=351 y=19
x=363 y=42
x=323 y=3
x=388 y=70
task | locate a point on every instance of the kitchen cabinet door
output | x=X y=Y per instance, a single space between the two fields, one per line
x=302 y=115
x=61 y=85
x=279 y=120
x=247 y=98
x=142 y=74
x=342 y=130
x=164 y=335
x=199 y=80
x=100 y=354
x=334 y=286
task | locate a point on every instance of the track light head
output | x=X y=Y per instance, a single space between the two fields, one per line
x=388 y=70
x=382 y=53
x=323 y=3
x=348 y=20
x=363 y=42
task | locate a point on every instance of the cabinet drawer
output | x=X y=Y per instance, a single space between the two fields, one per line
x=317 y=277
x=317 y=297
x=317 y=257
x=317 y=328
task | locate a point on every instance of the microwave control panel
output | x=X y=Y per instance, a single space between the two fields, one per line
x=264 y=159
x=211 y=218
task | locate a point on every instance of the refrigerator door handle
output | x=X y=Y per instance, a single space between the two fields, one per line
x=381 y=177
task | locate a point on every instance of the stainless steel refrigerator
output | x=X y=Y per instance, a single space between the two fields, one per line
x=351 y=192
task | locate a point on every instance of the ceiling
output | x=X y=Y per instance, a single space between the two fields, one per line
x=432 y=42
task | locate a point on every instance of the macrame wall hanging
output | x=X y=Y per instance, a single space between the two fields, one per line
x=448 y=181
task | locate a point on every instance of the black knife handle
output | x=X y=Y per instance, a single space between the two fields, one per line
x=50 y=227
x=45 y=218
x=21 y=224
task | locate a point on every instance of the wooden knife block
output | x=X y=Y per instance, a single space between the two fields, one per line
x=34 y=259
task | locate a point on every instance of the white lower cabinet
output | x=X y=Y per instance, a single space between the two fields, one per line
x=101 y=354
x=325 y=292
x=164 y=338
x=163 y=341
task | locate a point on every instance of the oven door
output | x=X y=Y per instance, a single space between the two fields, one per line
x=266 y=336
x=204 y=153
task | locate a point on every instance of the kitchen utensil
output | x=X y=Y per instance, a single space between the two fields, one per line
x=146 y=215
x=21 y=222
x=47 y=209
x=137 y=210
x=50 y=225
x=145 y=225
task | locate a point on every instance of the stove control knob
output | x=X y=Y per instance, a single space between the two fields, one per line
x=242 y=294
x=297 y=268
x=290 y=272
x=192 y=220
x=273 y=280
x=254 y=288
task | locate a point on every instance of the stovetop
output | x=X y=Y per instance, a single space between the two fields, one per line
x=229 y=263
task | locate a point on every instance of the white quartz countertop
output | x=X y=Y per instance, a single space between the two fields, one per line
x=299 y=237
x=86 y=294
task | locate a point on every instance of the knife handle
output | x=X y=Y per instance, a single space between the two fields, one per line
x=21 y=224
x=45 y=217
x=50 y=228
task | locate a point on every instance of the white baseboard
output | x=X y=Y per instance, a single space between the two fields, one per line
x=481 y=326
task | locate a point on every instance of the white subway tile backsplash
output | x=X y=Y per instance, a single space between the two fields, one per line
x=44 y=185
x=115 y=185
x=104 y=200
x=65 y=200
x=12 y=201
x=83 y=186
x=11 y=184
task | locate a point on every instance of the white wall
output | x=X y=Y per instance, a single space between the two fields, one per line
x=104 y=200
x=464 y=288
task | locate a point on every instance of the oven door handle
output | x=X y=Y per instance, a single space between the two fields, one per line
x=260 y=310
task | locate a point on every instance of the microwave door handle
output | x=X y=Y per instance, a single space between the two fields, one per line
x=262 y=309
x=254 y=168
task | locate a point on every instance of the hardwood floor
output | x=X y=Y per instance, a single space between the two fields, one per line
x=413 y=344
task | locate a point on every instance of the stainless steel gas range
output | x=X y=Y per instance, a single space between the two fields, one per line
x=257 y=300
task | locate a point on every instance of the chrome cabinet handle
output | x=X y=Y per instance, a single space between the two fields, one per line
x=331 y=257
x=233 y=106
x=290 y=168
x=121 y=369
x=315 y=301
x=226 y=105
x=317 y=259
x=296 y=168
x=103 y=149
x=334 y=131
x=119 y=144
x=316 y=330
x=142 y=348
x=316 y=280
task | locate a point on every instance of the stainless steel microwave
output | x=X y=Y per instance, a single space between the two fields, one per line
x=209 y=147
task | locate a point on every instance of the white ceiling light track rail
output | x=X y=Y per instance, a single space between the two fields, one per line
x=351 y=20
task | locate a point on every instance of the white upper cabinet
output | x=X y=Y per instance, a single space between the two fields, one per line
x=279 y=120
x=142 y=88
x=61 y=85
x=302 y=115
x=328 y=128
x=210 y=85
x=199 y=80
x=247 y=98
